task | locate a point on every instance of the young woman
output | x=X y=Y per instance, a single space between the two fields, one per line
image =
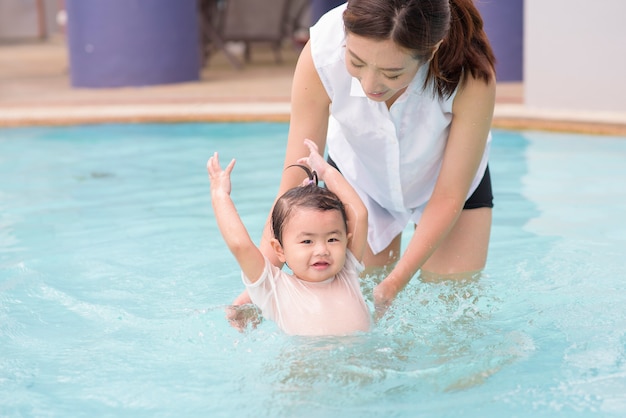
x=401 y=93
x=321 y=234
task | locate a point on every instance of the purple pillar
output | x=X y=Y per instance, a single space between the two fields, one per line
x=115 y=43
x=504 y=24
x=319 y=7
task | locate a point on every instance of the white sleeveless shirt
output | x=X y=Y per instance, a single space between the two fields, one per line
x=391 y=157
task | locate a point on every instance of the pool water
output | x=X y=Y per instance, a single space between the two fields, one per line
x=114 y=280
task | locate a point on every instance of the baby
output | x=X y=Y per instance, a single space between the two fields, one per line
x=320 y=233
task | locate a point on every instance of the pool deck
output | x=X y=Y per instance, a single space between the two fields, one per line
x=35 y=89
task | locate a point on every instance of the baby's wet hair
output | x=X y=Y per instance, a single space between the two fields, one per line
x=311 y=196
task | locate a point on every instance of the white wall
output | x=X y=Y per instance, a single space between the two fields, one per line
x=575 y=54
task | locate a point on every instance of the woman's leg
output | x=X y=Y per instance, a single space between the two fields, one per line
x=464 y=251
x=461 y=255
x=384 y=259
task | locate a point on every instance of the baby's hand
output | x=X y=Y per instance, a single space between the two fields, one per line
x=314 y=160
x=220 y=179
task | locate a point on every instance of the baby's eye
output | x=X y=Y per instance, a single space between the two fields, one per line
x=306 y=241
x=333 y=240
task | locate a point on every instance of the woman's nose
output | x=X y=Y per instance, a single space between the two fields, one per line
x=369 y=82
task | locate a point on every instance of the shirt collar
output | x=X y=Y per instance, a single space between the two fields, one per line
x=355 y=89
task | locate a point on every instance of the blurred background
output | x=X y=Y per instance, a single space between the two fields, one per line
x=552 y=54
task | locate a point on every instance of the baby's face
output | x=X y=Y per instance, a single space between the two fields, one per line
x=315 y=243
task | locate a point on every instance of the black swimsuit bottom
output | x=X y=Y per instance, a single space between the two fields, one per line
x=481 y=198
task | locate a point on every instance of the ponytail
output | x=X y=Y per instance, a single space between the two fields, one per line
x=464 y=52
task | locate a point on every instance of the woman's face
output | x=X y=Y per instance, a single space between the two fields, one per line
x=383 y=69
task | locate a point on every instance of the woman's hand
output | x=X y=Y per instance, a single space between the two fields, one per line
x=384 y=293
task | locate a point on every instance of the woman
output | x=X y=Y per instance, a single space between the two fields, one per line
x=401 y=95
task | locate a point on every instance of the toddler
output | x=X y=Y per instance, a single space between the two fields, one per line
x=320 y=233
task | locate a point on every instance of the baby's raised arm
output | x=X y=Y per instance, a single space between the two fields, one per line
x=231 y=227
x=355 y=209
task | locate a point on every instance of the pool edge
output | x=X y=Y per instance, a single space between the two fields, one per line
x=506 y=116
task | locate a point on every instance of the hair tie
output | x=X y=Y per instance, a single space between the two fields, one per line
x=310 y=173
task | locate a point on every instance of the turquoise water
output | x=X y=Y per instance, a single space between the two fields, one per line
x=113 y=283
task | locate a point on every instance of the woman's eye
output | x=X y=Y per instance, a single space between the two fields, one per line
x=356 y=65
x=392 y=77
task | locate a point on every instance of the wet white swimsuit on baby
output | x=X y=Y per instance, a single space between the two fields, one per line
x=332 y=307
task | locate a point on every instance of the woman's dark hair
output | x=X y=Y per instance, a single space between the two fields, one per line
x=310 y=196
x=418 y=25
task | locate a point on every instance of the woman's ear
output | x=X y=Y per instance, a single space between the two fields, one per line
x=435 y=49
x=278 y=249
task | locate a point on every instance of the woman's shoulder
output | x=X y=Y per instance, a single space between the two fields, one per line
x=331 y=19
x=475 y=92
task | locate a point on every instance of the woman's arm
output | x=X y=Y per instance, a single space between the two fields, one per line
x=355 y=209
x=472 y=113
x=235 y=235
x=309 y=119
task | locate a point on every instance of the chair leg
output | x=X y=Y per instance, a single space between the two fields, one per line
x=278 y=57
x=212 y=34
x=211 y=39
x=247 y=55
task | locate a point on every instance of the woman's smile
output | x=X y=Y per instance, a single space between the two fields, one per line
x=375 y=95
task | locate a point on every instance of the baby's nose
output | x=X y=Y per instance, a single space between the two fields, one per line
x=322 y=248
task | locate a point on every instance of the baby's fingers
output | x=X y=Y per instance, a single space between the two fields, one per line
x=230 y=166
x=213 y=164
x=311 y=145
